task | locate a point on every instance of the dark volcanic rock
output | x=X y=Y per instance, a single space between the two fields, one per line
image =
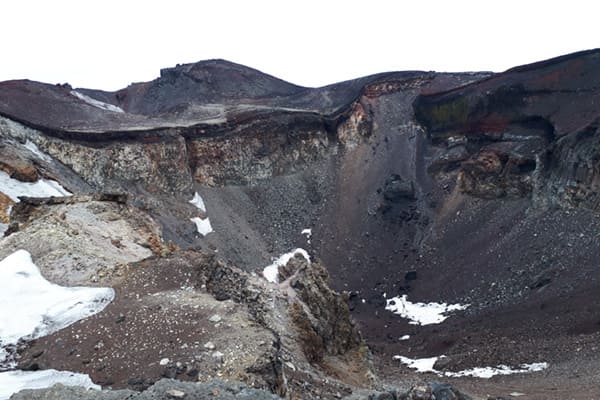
x=513 y=121
x=434 y=391
x=396 y=189
x=211 y=81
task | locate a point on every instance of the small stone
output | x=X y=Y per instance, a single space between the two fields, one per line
x=210 y=346
x=135 y=381
x=164 y=361
x=410 y=276
x=170 y=372
x=217 y=354
x=215 y=318
x=176 y=394
x=290 y=365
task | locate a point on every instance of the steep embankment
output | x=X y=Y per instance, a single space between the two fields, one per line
x=474 y=188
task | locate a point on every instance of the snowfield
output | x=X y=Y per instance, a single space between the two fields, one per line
x=32 y=307
x=271 y=272
x=422 y=313
x=96 y=103
x=14 y=188
x=488 y=372
x=426 y=365
x=15 y=381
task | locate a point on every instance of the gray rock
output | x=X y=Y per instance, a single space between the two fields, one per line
x=215 y=318
x=210 y=346
x=396 y=189
x=165 y=389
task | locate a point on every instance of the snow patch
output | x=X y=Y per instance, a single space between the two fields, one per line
x=488 y=372
x=421 y=313
x=96 y=103
x=405 y=337
x=32 y=147
x=198 y=202
x=32 y=307
x=14 y=188
x=420 y=364
x=271 y=272
x=426 y=365
x=202 y=225
x=14 y=381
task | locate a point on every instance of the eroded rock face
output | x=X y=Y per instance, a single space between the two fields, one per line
x=258 y=149
x=159 y=164
x=571 y=170
x=321 y=315
x=5 y=204
x=81 y=240
x=495 y=174
x=357 y=125
x=504 y=123
x=16 y=165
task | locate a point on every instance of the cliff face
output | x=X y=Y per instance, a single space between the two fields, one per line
x=470 y=188
x=496 y=131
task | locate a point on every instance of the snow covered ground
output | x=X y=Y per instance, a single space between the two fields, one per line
x=488 y=372
x=32 y=307
x=421 y=313
x=271 y=272
x=15 y=381
x=202 y=224
x=96 y=103
x=426 y=365
x=41 y=188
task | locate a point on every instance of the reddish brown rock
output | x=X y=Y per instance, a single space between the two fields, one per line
x=5 y=203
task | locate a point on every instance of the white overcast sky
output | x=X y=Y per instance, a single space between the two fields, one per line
x=108 y=44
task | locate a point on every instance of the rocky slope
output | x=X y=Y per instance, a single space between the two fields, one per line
x=470 y=188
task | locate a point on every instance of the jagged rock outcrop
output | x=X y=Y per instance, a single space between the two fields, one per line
x=320 y=315
x=81 y=239
x=498 y=131
x=207 y=318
